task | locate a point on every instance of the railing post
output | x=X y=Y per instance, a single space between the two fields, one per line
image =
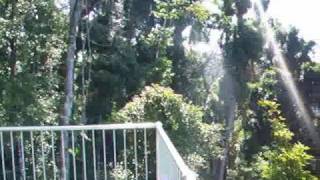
x=165 y=149
x=158 y=126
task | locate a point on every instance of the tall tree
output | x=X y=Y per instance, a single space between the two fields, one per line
x=75 y=15
x=242 y=47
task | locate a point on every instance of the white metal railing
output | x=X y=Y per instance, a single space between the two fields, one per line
x=170 y=165
x=113 y=151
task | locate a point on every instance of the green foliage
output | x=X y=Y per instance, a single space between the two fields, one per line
x=176 y=9
x=133 y=44
x=265 y=87
x=257 y=126
x=170 y=10
x=281 y=134
x=199 y=11
x=246 y=46
x=311 y=67
x=284 y=160
x=297 y=51
x=277 y=157
x=33 y=41
x=159 y=36
x=135 y=57
x=161 y=72
x=182 y=120
x=287 y=163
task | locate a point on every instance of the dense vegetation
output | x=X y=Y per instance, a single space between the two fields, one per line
x=102 y=61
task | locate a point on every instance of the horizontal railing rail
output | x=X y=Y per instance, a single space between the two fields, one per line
x=81 y=127
x=110 y=151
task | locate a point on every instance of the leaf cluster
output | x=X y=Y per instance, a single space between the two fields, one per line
x=182 y=120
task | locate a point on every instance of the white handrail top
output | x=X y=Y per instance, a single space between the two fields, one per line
x=147 y=125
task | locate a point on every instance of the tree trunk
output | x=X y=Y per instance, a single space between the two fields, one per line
x=230 y=108
x=12 y=44
x=13 y=58
x=75 y=13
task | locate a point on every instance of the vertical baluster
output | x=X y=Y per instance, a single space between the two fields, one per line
x=135 y=153
x=73 y=156
x=94 y=155
x=22 y=156
x=12 y=156
x=43 y=157
x=53 y=156
x=33 y=158
x=2 y=157
x=125 y=152
x=104 y=154
x=145 y=153
x=63 y=155
x=84 y=156
x=114 y=149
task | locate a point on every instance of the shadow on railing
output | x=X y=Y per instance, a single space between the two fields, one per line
x=113 y=151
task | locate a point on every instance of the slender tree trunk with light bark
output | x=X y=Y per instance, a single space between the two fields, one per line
x=75 y=14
